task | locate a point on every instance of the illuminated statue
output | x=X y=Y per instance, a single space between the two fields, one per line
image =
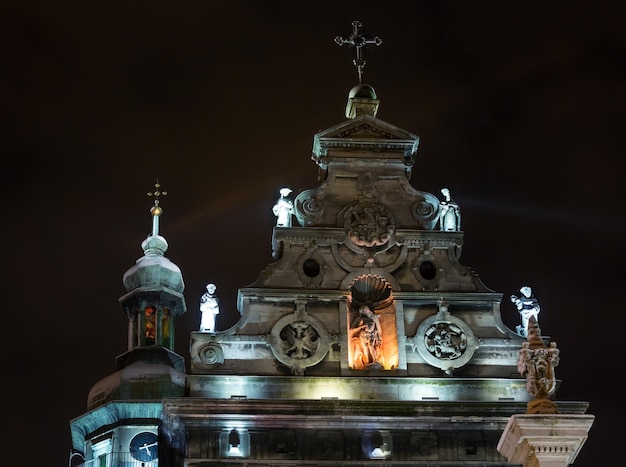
x=209 y=307
x=283 y=209
x=528 y=306
x=450 y=217
x=367 y=340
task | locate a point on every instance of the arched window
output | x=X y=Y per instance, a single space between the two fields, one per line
x=155 y=326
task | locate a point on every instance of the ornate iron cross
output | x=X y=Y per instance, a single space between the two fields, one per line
x=358 y=41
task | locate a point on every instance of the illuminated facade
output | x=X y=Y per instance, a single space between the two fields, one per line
x=365 y=340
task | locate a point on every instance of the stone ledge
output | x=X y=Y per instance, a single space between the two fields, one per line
x=544 y=440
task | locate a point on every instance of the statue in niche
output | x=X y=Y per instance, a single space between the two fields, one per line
x=209 y=307
x=283 y=209
x=366 y=338
x=450 y=216
x=528 y=306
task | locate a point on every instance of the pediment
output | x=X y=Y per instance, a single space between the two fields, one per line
x=366 y=126
x=364 y=130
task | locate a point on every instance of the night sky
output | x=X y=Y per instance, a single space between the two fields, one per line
x=520 y=111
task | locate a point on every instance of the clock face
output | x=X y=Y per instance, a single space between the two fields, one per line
x=144 y=447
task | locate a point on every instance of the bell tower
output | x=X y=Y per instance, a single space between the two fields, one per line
x=122 y=424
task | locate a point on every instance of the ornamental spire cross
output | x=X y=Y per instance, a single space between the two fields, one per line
x=359 y=41
x=156 y=210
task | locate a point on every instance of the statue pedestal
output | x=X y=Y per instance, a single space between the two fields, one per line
x=551 y=440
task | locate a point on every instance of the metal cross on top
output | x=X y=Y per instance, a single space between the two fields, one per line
x=156 y=210
x=359 y=41
x=157 y=192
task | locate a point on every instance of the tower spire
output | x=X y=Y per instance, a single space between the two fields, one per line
x=156 y=210
x=358 y=40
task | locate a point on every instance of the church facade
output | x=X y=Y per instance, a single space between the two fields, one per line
x=365 y=340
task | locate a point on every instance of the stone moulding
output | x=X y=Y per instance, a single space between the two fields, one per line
x=323 y=236
x=443 y=389
x=365 y=127
x=365 y=132
x=360 y=144
x=547 y=439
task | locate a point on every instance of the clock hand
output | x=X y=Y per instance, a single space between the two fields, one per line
x=147 y=447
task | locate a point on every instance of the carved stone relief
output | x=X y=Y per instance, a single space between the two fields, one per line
x=445 y=341
x=536 y=362
x=368 y=224
x=299 y=340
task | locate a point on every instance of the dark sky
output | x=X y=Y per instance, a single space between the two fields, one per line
x=520 y=110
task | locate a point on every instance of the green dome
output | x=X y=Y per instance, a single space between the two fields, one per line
x=154 y=269
x=362 y=90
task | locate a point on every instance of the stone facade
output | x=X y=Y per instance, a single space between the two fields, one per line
x=426 y=373
x=365 y=340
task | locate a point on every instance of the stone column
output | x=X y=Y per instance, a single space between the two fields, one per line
x=551 y=440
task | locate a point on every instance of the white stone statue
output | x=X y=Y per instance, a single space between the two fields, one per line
x=528 y=306
x=209 y=307
x=283 y=209
x=450 y=217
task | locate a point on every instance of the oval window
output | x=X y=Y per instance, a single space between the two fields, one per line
x=311 y=267
x=428 y=270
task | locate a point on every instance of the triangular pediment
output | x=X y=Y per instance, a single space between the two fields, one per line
x=362 y=130
x=366 y=126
